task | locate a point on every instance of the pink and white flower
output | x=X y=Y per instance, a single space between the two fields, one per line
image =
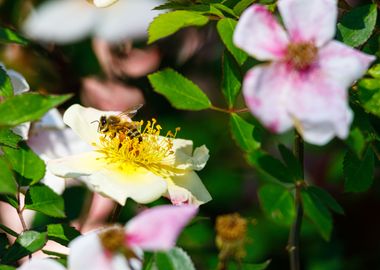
x=117 y=247
x=305 y=83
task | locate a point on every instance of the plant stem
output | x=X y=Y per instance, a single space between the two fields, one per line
x=229 y=111
x=19 y=212
x=85 y=210
x=116 y=213
x=295 y=231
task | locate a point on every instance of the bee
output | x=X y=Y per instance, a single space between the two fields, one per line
x=120 y=124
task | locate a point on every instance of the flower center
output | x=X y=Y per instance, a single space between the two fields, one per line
x=112 y=239
x=138 y=146
x=301 y=55
x=231 y=227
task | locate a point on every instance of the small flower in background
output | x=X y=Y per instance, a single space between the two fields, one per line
x=231 y=236
x=102 y=3
x=305 y=84
x=143 y=167
x=66 y=21
x=116 y=247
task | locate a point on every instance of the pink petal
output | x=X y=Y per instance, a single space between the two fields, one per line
x=319 y=105
x=309 y=20
x=86 y=252
x=158 y=228
x=343 y=64
x=259 y=34
x=265 y=90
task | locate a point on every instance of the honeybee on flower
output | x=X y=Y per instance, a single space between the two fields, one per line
x=142 y=168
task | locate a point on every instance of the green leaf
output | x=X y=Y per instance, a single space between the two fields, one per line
x=28 y=167
x=6 y=267
x=270 y=165
x=242 y=5
x=318 y=213
x=291 y=162
x=174 y=259
x=7 y=181
x=358 y=172
x=242 y=132
x=27 y=107
x=374 y=71
x=369 y=95
x=43 y=199
x=27 y=243
x=167 y=24
x=277 y=203
x=8 y=138
x=356 y=141
x=6 y=88
x=10 y=199
x=8 y=230
x=62 y=233
x=180 y=91
x=3 y=243
x=326 y=199
x=249 y=266
x=226 y=28
x=231 y=82
x=356 y=26
x=9 y=36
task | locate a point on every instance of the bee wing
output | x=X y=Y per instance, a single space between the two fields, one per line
x=131 y=112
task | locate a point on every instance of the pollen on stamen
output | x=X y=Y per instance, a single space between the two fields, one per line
x=142 y=148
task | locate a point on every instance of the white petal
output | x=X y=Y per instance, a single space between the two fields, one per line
x=103 y=3
x=343 y=65
x=84 y=122
x=259 y=34
x=127 y=19
x=41 y=264
x=191 y=182
x=61 y=21
x=265 y=90
x=52 y=119
x=142 y=186
x=311 y=20
x=20 y=85
x=200 y=157
x=22 y=130
x=119 y=262
x=86 y=252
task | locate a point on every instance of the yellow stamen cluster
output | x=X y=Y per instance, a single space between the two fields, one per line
x=112 y=239
x=302 y=54
x=138 y=146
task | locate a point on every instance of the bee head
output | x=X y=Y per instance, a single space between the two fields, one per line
x=102 y=122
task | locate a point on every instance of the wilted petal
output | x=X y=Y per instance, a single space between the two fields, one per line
x=265 y=89
x=311 y=20
x=41 y=264
x=84 y=122
x=126 y=20
x=61 y=21
x=191 y=182
x=158 y=228
x=86 y=252
x=259 y=34
x=342 y=65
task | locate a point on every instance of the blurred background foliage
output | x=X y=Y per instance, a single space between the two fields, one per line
x=233 y=183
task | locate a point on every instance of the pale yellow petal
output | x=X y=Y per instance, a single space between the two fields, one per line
x=191 y=182
x=84 y=121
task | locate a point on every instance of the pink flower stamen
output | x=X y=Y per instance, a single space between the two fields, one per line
x=301 y=55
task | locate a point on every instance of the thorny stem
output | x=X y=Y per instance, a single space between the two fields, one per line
x=229 y=111
x=116 y=212
x=295 y=231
